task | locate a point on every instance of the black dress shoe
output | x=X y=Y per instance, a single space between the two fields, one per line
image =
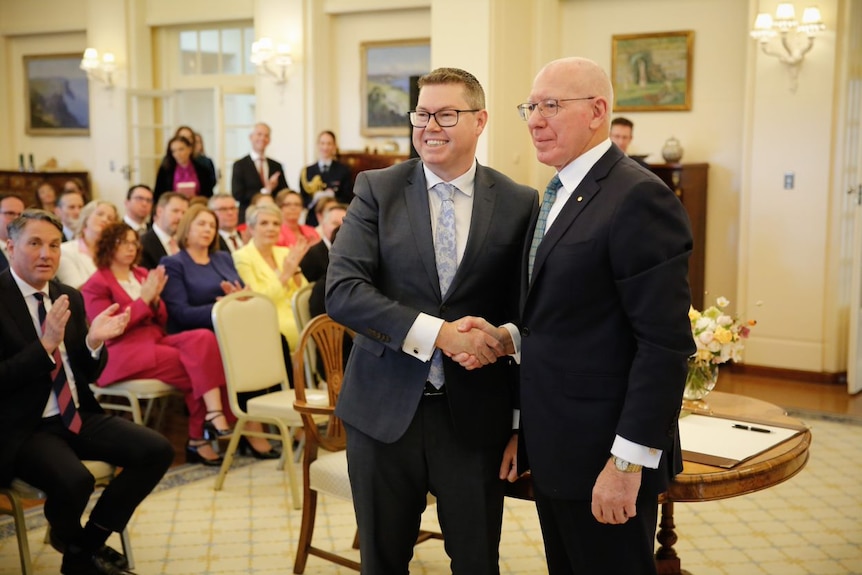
x=245 y=448
x=194 y=456
x=107 y=553
x=89 y=564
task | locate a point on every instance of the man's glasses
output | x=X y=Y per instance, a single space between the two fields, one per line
x=142 y=199
x=227 y=209
x=444 y=118
x=547 y=108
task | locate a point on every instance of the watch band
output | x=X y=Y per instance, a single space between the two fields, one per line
x=626 y=466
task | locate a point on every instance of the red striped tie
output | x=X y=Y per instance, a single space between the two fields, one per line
x=60 y=386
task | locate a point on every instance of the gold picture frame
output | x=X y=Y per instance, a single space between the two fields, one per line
x=387 y=69
x=56 y=96
x=652 y=72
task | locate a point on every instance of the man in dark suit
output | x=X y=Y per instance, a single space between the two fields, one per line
x=139 y=208
x=255 y=173
x=415 y=425
x=316 y=259
x=605 y=332
x=159 y=240
x=51 y=421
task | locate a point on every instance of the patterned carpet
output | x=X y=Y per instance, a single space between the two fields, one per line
x=808 y=525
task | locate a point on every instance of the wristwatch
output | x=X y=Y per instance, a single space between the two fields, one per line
x=626 y=466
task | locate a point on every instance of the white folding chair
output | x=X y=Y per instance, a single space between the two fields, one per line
x=302 y=315
x=246 y=326
x=134 y=391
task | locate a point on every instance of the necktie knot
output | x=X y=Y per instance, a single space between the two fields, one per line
x=541 y=223
x=553 y=186
x=444 y=191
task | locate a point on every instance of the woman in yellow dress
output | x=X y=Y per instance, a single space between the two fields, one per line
x=273 y=270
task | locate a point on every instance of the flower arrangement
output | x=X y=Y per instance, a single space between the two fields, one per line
x=718 y=337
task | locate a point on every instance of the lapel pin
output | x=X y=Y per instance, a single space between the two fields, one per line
x=580 y=198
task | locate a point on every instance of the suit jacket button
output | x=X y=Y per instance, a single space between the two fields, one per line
x=525 y=332
x=444 y=308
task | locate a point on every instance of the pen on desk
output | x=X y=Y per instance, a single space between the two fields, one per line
x=752 y=428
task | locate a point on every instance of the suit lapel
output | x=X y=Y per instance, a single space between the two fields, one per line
x=419 y=218
x=580 y=198
x=480 y=225
x=16 y=307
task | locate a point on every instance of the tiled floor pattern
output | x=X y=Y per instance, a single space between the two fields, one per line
x=812 y=524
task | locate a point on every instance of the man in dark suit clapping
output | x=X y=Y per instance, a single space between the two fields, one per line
x=255 y=173
x=51 y=421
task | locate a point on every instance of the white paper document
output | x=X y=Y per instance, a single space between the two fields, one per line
x=730 y=440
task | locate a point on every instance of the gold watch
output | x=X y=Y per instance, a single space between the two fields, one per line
x=626 y=466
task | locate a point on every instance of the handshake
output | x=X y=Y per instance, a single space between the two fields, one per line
x=472 y=342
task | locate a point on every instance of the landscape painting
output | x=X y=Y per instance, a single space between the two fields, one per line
x=652 y=72
x=57 y=96
x=387 y=68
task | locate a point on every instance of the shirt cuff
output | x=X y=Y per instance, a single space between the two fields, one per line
x=94 y=353
x=420 y=339
x=515 y=333
x=516 y=419
x=636 y=453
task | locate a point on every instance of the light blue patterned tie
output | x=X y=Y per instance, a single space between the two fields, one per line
x=539 y=233
x=446 y=256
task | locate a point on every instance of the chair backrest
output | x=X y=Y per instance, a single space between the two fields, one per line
x=302 y=315
x=246 y=327
x=328 y=336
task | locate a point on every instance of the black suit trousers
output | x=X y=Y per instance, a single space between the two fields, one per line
x=390 y=483
x=51 y=460
x=576 y=543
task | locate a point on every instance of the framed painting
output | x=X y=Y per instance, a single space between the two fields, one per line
x=387 y=70
x=57 y=96
x=652 y=72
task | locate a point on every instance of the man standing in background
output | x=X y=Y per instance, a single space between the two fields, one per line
x=255 y=173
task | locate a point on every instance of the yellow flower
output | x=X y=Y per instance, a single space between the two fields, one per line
x=693 y=314
x=723 y=335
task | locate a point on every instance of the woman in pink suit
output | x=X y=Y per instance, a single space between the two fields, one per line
x=189 y=360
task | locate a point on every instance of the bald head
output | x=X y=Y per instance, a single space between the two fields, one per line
x=584 y=94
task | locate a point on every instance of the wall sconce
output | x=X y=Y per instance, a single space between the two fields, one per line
x=99 y=69
x=796 y=38
x=272 y=60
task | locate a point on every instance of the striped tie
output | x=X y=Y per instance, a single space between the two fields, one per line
x=60 y=386
x=446 y=256
x=539 y=233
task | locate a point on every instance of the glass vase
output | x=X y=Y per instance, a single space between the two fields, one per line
x=700 y=380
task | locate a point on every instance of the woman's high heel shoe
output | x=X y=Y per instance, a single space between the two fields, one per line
x=245 y=448
x=211 y=432
x=193 y=455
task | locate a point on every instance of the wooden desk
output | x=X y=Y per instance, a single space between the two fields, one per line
x=700 y=482
x=25 y=183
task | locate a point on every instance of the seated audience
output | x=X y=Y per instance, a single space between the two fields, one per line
x=290 y=203
x=77 y=186
x=159 y=241
x=139 y=207
x=51 y=421
x=180 y=173
x=11 y=208
x=68 y=209
x=189 y=360
x=226 y=209
x=78 y=261
x=198 y=275
x=315 y=262
x=273 y=270
x=326 y=178
x=256 y=199
x=46 y=197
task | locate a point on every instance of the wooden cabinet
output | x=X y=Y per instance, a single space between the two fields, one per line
x=361 y=161
x=688 y=181
x=24 y=184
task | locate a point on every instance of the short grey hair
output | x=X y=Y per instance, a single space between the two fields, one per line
x=16 y=226
x=254 y=212
x=221 y=196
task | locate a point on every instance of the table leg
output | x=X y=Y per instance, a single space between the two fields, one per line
x=666 y=560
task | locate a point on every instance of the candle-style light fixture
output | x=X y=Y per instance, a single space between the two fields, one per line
x=272 y=59
x=100 y=69
x=796 y=38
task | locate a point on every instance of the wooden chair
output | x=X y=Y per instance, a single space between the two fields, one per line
x=246 y=327
x=324 y=460
x=133 y=392
x=20 y=490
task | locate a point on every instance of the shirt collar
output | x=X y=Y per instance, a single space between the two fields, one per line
x=25 y=288
x=255 y=156
x=465 y=182
x=572 y=174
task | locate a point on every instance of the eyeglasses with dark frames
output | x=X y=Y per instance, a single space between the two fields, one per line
x=444 y=118
x=547 y=108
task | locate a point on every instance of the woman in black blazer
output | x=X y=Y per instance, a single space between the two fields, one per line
x=179 y=172
x=326 y=178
